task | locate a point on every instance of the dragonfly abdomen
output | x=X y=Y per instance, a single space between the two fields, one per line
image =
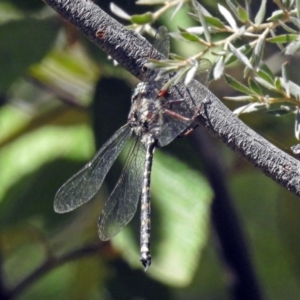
x=145 y=258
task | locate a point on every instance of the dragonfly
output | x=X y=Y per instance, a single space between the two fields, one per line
x=156 y=120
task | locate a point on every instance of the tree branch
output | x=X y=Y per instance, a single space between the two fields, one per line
x=54 y=262
x=131 y=51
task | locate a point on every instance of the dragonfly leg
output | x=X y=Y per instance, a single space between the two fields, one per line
x=176 y=115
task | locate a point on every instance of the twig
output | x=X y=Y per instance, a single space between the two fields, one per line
x=52 y=263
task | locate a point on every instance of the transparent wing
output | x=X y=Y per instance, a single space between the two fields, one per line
x=81 y=187
x=185 y=109
x=122 y=203
x=162 y=41
x=203 y=72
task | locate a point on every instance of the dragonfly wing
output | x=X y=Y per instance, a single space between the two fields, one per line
x=186 y=109
x=203 y=72
x=162 y=41
x=81 y=187
x=122 y=203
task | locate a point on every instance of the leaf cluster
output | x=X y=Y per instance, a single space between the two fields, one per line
x=234 y=37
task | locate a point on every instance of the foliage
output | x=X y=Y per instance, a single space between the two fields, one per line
x=222 y=37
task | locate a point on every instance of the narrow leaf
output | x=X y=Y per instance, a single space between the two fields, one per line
x=292 y=87
x=254 y=86
x=261 y=13
x=142 y=19
x=296 y=149
x=266 y=73
x=242 y=14
x=265 y=83
x=277 y=84
x=214 y=22
x=176 y=56
x=190 y=74
x=176 y=10
x=237 y=85
x=239 y=98
x=119 y=12
x=202 y=20
x=298 y=8
x=228 y=16
x=287 y=28
x=195 y=30
x=293 y=47
x=283 y=38
x=243 y=58
x=284 y=72
x=258 y=51
x=233 y=6
x=218 y=68
x=297 y=124
x=276 y=15
x=295 y=21
x=232 y=58
x=252 y=107
x=190 y=37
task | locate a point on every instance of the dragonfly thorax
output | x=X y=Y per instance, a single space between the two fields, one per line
x=146 y=114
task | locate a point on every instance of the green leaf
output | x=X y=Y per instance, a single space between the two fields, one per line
x=254 y=86
x=293 y=47
x=218 y=68
x=291 y=87
x=177 y=9
x=284 y=72
x=242 y=14
x=249 y=108
x=200 y=13
x=233 y=5
x=287 y=28
x=276 y=15
x=198 y=30
x=119 y=12
x=176 y=56
x=237 y=85
x=295 y=21
x=190 y=74
x=265 y=83
x=239 y=98
x=232 y=58
x=258 y=51
x=283 y=38
x=228 y=16
x=214 y=22
x=142 y=19
x=297 y=124
x=190 y=37
x=17 y=50
x=261 y=13
x=298 y=8
x=243 y=58
x=277 y=84
x=265 y=73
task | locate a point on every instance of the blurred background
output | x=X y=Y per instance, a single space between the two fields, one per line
x=220 y=228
